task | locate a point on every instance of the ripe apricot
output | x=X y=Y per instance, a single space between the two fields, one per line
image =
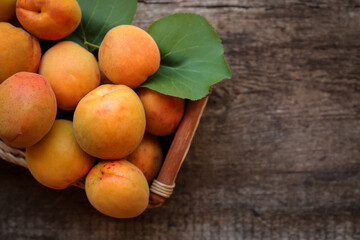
x=128 y=55
x=27 y=109
x=109 y=122
x=48 y=19
x=19 y=51
x=163 y=112
x=57 y=161
x=117 y=189
x=148 y=156
x=72 y=72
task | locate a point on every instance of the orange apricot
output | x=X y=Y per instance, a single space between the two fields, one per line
x=109 y=122
x=148 y=156
x=57 y=161
x=72 y=72
x=27 y=109
x=128 y=55
x=117 y=189
x=163 y=113
x=48 y=19
x=19 y=51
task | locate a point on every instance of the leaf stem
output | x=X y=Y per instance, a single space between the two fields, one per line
x=91 y=45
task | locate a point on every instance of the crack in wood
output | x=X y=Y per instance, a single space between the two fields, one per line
x=155 y=3
x=218 y=6
x=206 y=6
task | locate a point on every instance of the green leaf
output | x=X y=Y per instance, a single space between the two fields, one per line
x=98 y=17
x=192 y=56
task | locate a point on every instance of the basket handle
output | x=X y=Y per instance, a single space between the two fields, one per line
x=162 y=187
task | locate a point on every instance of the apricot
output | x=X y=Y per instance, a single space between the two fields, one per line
x=117 y=189
x=163 y=112
x=57 y=161
x=72 y=72
x=148 y=157
x=19 y=51
x=27 y=109
x=128 y=55
x=48 y=19
x=109 y=122
x=7 y=10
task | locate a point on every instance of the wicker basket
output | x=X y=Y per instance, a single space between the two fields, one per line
x=163 y=186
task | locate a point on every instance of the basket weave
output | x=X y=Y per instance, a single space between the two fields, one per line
x=162 y=187
x=12 y=155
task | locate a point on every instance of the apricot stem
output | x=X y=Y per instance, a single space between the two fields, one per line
x=91 y=45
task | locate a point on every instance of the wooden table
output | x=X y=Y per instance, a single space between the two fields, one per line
x=277 y=152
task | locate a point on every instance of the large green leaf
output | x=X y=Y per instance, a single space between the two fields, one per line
x=192 y=56
x=98 y=17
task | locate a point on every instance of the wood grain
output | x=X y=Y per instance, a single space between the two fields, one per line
x=276 y=154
